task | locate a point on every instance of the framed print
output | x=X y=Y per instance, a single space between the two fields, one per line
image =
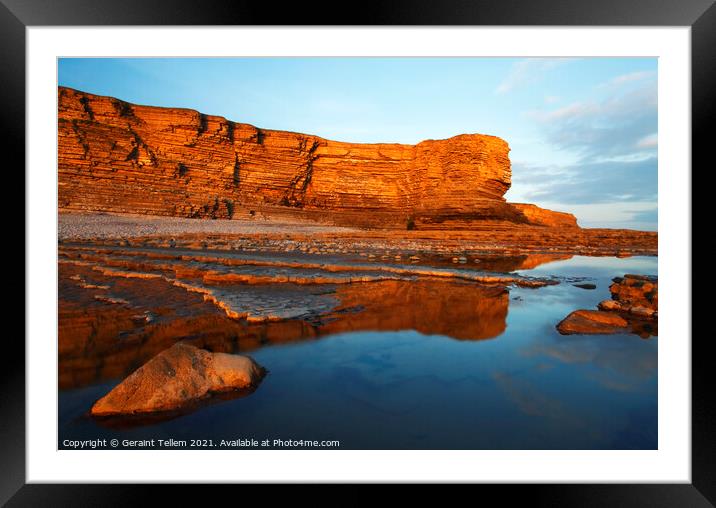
x=422 y=247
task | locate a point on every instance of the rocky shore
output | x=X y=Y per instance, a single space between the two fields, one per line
x=185 y=239
x=633 y=308
x=130 y=302
x=273 y=235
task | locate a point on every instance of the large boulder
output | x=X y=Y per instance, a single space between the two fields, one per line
x=593 y=322
x=176 y=378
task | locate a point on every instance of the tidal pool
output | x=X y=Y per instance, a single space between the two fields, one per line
x=421 y=365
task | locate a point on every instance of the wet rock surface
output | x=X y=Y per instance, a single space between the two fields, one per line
x=632 y=309
x=636 y=293
x=122 y=305
x=592 y=321
x=119 y=307
x=585 y=285
x=176 y=378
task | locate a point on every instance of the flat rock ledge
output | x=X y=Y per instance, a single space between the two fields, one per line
x=592 y=322
x=632 y=309
x=176 y=378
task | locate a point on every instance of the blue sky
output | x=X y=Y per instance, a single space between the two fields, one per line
x=582 y=132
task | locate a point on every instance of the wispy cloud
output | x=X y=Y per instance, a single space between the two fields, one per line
x=528 y=71
x=600 y=129
x=612 y=177
x=588 y=182
x=650 y=141
x=630 y=77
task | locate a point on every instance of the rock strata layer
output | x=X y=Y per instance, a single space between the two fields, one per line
x=177 y=377
x=119 y=157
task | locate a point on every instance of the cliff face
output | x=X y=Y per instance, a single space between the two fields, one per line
x=118 y=157
x=537 y=215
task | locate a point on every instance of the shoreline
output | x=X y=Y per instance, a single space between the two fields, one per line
x=272 y=235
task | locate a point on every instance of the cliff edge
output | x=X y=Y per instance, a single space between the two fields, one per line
x=118 y=157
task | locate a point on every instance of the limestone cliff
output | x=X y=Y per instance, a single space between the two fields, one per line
x=119 y=157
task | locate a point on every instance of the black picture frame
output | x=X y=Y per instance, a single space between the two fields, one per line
x=700 y=15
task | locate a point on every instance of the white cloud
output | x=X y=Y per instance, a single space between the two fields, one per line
x=574 y=110
x=614 y=127
x=650 y=141
x=610 y=136
x=528 y=71
x=630 y=77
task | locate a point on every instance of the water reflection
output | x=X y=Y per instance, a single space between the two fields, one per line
x=459 y=310
x=389 y=374
x=616 y=362
x=100 y=341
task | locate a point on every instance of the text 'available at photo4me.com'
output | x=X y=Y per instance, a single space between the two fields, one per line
x=170 y=443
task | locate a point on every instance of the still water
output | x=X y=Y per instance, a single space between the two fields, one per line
x=518 y=385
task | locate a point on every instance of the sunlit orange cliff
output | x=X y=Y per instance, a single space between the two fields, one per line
x=168 y=161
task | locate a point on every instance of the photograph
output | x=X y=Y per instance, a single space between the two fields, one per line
x=357 y=253
x=419 y=246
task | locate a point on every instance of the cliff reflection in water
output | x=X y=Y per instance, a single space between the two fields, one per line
x=459 y=310
x=107 y=336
